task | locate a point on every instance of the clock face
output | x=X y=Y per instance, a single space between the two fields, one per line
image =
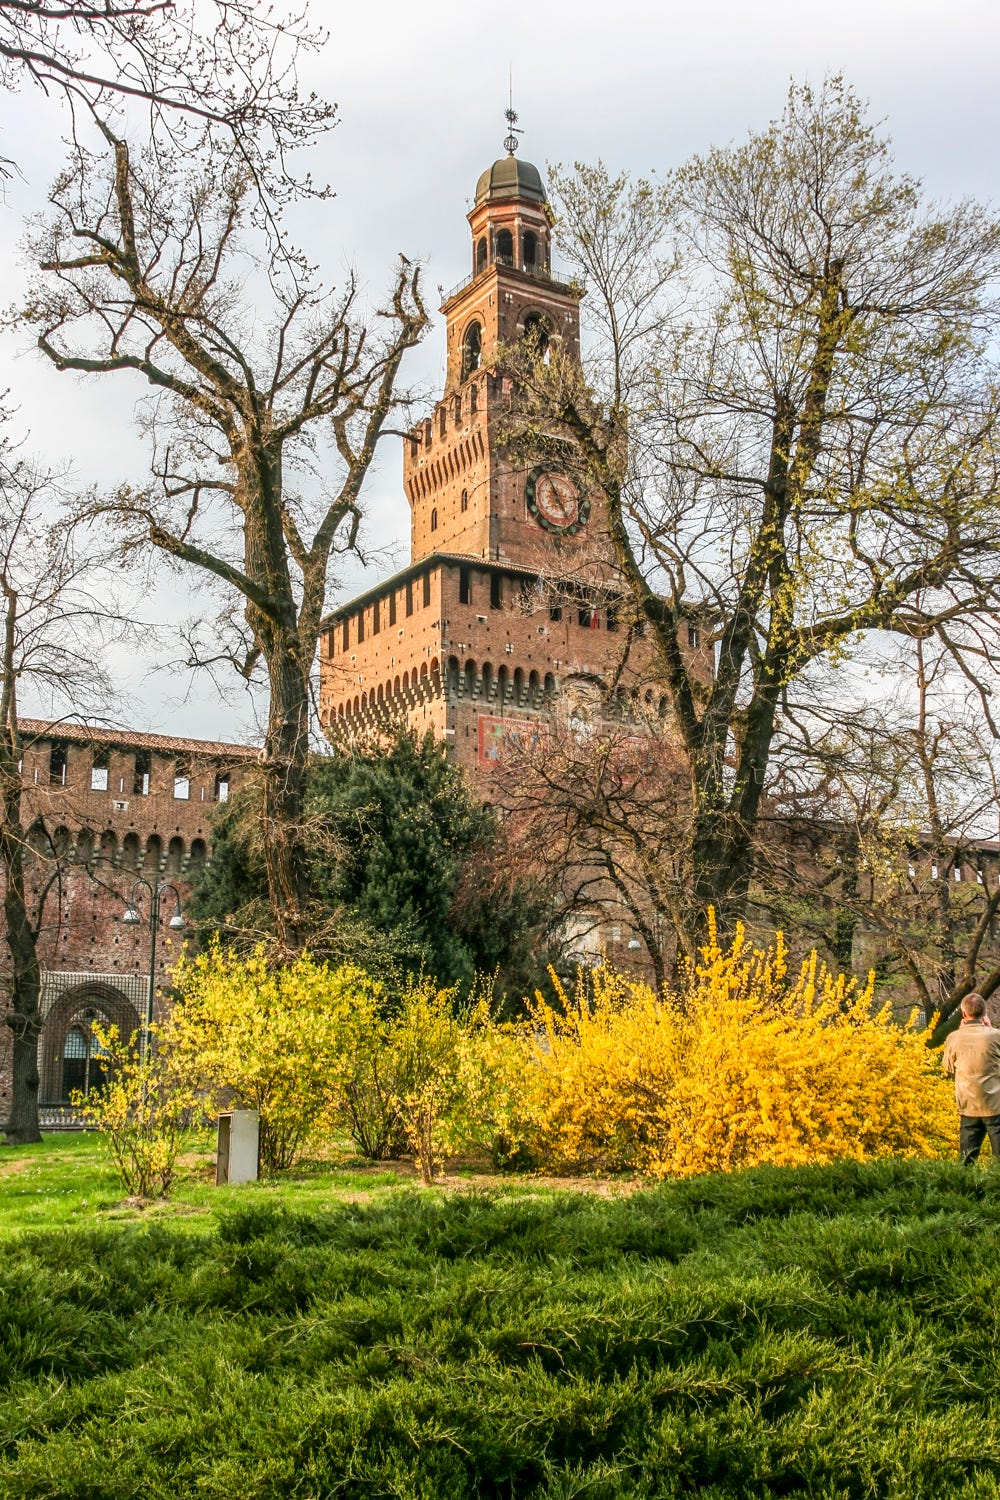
x=555 y=501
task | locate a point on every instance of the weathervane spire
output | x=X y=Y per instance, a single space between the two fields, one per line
x=510 y=139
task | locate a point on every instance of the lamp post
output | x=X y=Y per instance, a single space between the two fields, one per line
x=133 y=917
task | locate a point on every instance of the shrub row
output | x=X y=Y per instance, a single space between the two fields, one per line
x=745 y=1063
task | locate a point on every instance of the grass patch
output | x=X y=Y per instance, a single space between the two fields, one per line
x=826 y=1332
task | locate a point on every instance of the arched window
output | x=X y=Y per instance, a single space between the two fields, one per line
x=465 y=501
x=154 y=852
x=434 y=519
x=84 y=1066
x=530 y=249
x=472 y=349
x=198 y=851
x=481 y=256
x=175 y=856
x=505 y=248
x=38 y=840
x=536 y=332
x=130 y=851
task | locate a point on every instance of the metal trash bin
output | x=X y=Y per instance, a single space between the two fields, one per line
x=239 y=1147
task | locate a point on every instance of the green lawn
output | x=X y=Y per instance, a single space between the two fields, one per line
x=68 y=1180
x=815 y=1332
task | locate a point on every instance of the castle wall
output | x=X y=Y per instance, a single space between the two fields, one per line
x=99 y=816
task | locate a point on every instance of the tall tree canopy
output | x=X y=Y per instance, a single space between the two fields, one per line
x=791 y=407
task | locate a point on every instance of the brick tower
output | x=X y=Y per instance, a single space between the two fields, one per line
x=464 y=496
x=470 y=639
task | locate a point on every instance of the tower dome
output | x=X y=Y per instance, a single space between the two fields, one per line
x=510 y=178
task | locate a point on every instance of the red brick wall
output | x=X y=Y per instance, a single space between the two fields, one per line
x=108 y=838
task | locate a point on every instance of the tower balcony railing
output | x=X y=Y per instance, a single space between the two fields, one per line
x=537 y=273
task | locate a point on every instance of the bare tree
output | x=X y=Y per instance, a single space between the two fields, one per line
x=886 y=823
x=598 y=817
x=266 y=427
x=792 y=415
x=227 y=63
x=50 y=613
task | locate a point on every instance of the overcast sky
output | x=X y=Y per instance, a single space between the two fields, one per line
x=421 y=92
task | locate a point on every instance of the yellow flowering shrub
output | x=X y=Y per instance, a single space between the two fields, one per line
x=747 y=1064
x=142 y=1111
x=278 y=1040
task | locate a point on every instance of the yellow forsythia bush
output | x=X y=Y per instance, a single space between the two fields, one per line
x=745 y=1065
x=279 y=1040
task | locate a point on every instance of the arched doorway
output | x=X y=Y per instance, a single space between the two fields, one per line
x=70 y=1055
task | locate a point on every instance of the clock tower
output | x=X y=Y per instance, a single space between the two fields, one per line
x=507 y=617
x=466 y=497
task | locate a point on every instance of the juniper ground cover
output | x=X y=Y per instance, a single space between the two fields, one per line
x=823 y=1332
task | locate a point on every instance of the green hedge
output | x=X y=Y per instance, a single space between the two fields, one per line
x=824 y=1332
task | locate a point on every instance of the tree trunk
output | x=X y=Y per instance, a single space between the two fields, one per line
x=24 y=1017
x=284 y=765
x=286 y=743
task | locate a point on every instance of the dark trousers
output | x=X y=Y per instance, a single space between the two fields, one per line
x=973 y=1131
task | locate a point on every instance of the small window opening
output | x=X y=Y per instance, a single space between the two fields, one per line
x=409 y=596
x=612 y=617
x=473 y=398
x=427 y=590
x=530 y=249
x=694 y=637
x=481 y=256
x=346 y=636
x=392 y=608
x=465 y=501
x=222 y=786
x=496 y=590
x=57 y=763
x=443 y=421
x=457 y=410
x=376 y=617
x=472 y=350
x=464 y=586
x=361 y=626
x=99 y=770
x=182 y=779
x=143 y=767
x=505 y=248
x=434 y=519
x=555 y=611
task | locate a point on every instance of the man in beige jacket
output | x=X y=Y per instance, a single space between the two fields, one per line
x=972 y=1058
